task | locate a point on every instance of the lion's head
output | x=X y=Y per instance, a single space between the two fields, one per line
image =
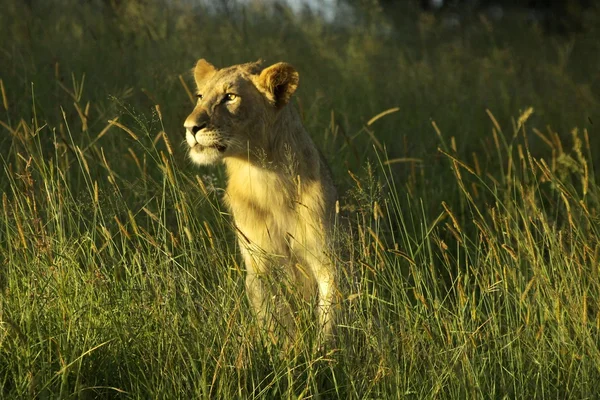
x=236 y=108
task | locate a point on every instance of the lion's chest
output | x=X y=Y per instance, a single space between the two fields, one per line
x=263 y=208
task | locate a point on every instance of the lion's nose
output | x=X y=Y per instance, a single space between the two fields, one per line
x=194 y=126
x=198 y=127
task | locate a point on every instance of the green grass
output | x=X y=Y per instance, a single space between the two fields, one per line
x=469 y=255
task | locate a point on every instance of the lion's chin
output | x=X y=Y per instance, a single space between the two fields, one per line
x=206 y=155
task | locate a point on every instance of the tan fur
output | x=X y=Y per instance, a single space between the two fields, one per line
x=279 y=189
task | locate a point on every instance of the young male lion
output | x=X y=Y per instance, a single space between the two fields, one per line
x=279 y=189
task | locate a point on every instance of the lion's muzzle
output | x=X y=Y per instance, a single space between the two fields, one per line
x=206 y=145
x=196 y=121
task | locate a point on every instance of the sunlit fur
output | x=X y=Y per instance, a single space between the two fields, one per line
x=279 y=189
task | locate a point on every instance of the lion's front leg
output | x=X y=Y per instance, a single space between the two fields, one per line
x=327 y=292
x=323 y=275
x=257 y=290
x=264 y=292
x=311 y=247
x=258 y=297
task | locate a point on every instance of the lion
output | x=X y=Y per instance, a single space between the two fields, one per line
x=279 y=190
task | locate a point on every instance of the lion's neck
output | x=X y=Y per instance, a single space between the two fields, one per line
x=269 y=177
x=288 y=151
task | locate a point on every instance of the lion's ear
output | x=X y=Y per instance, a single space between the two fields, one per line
x=203 y=69
x=279 y=81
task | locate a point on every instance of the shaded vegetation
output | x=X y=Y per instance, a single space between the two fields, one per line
x=469 y=256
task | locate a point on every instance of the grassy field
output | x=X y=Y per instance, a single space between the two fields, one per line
x=469 y=260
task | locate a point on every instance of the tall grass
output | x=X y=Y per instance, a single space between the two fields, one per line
x=468 y=246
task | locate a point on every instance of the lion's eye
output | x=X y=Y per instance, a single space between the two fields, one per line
x=199 y=96
x=230 y=97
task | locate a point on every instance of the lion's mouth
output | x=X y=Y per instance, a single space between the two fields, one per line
x=219 y=147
